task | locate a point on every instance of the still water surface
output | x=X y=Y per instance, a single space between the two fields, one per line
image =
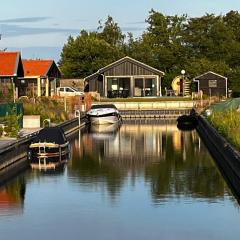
x=144 y=180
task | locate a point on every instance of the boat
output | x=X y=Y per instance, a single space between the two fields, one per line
x=103 y=114
x=187 y=122
x=49 y=150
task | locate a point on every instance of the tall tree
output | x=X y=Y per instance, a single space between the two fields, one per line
x=111 y=32
x=84 y=55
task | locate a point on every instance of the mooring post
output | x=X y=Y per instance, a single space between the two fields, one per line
x=48 y=120
x=78 y=114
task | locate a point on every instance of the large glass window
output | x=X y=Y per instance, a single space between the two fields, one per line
x=145 y=87
x=138 y=88
x=150 y=87
x=118 y=87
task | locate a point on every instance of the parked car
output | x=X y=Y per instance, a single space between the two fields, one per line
x=69 y=91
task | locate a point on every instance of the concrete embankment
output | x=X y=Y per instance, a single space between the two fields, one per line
x=13 y=157
x=226 y=157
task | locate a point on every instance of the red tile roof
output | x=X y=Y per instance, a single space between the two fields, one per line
x=8 y=63
x=36 y=67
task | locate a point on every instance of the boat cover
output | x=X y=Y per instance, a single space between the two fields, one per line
x=103 y=106
x=231 y=104
x=51 y=135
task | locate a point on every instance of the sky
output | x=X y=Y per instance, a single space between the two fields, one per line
x=39 y=29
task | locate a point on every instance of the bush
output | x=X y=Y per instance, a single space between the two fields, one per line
x=1 y=131
x=236 y=94
x=46 y=108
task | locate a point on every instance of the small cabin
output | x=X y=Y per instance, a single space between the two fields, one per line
x=41 y=78
x=126 y=77
x=212 y=84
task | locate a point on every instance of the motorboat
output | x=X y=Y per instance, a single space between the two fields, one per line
x=103 y=114
x=49 y=149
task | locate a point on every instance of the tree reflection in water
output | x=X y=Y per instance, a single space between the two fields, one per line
x=172 y=162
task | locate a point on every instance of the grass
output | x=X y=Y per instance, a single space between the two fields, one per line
x=227 y=124
x=146 y=99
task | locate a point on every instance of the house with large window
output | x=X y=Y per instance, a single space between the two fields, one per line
x=126 y=77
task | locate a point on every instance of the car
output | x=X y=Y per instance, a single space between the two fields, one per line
x=69 y=91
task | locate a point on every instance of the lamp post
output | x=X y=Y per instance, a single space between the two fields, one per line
x=183 y=73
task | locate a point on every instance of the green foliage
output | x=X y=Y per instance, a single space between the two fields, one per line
x=1 y=131
x=46 y=108
x=86 y=54
x=170 y=43
x=11 y=123
x=111 y=32
x=227 y=123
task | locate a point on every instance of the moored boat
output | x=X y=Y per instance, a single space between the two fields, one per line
x=50 y=149
x=103 y=114
x=187 y=122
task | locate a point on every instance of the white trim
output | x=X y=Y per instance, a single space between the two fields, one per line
x=212 y=73
x=226 y=87
x=134 y=60
x=197 y=81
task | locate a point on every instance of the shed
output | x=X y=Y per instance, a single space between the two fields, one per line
x=212 y=84
x=126 y=77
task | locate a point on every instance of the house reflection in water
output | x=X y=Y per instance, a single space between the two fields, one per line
x=136 y=143
x=171 y=162
x=12 y=197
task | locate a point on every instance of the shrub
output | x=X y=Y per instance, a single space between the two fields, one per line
x=1 y=131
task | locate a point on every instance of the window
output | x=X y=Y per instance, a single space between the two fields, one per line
x=61 y=89
x=69 y=90
x=212 y=83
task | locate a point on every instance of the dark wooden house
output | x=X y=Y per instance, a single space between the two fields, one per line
x=212 y=84
x=126 y=77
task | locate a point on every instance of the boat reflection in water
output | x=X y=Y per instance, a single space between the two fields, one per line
x=170 y=161
x=104 y=131
x=54 y=166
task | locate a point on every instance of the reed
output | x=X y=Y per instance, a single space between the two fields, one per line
x=227 y=124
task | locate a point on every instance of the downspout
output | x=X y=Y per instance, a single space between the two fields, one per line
x=226 y=88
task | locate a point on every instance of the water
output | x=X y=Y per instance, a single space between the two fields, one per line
x=146 y=180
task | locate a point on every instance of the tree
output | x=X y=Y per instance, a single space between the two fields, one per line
x=111 y=32
x=87 y=53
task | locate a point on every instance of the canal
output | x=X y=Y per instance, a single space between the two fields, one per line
x=142 y=180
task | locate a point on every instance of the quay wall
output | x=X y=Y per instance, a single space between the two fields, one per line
x=163 y=105
x=225 y=156
x=14 y=156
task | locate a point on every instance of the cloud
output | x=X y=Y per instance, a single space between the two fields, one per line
x=24 y=20
x=10 y=30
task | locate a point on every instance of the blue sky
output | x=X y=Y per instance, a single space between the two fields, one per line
x=40 y=28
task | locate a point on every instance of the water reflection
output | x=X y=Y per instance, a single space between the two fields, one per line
x=12 y=197
x=172 y=163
